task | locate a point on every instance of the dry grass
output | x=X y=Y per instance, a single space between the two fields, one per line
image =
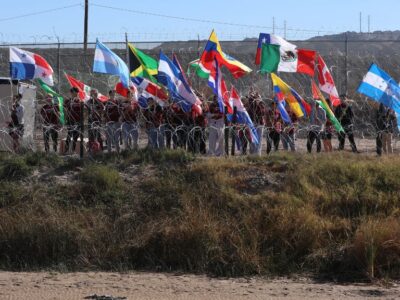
x=334 y=215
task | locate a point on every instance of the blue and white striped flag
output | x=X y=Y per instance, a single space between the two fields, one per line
x=107 y=62
x=379 y=86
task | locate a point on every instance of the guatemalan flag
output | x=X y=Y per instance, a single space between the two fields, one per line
x=171 y=76
x=27 y=65
x=242 y=117
x=107 y=62
x=378 y=85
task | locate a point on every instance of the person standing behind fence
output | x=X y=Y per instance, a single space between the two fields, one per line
x=328 y=132
x=154 y=119
x=197 y=136
x=345 y=115
x=257 y=113
x=216 y=127
x=385 y=125
x=73 y=113
x=130 y=124
x=16 y=125
x=317 y=122
x=95 y=114
x=112 y=113
x=288 y=132
x=50 y=117
x=274 y=127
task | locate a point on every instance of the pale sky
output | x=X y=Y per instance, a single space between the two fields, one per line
x=160 y=20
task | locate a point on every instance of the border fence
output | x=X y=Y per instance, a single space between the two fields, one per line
x=348 y=60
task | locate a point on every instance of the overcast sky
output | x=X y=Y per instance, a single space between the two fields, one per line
x=28 y=21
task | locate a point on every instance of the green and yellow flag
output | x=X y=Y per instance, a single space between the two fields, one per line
x=142 y=65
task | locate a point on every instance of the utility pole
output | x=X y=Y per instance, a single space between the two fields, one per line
x=85 y=40
x=284 y=29
x=369 y=24
x=360 y=22
x=85 y=28
x=273 y=25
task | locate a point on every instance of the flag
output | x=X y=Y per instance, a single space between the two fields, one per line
x=326 y=107
x=242 y=116
x=84 y=90
x=199 y=69
x=123 y=91
x=147 y=89
x=382 y=88
x=218 y=85
x=283 y=91
x=213 y=51
x=281 y=104
x=141 y=65
x=197 y=104
x=27 y=65
x=274 y=54
x=326 y=83
x=107 y=62
x=172 y=78
x=54 y=94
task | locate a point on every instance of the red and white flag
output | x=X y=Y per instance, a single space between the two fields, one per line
x=326 y=83
x=84 y=90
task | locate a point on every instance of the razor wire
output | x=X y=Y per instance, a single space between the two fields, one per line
x=348 y=62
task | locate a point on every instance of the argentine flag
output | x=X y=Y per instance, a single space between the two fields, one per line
x=379 y=86
x=107 y=62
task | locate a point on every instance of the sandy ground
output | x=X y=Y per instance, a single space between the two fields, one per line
x=45 y=285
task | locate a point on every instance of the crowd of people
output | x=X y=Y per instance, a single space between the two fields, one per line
x=116 y=124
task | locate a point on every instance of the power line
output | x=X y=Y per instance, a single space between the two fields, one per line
x=197 y=20
x=39 y=12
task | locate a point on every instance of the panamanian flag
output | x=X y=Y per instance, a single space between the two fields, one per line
x=25 y=65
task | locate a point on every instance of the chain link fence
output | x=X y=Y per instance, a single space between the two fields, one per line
x=348 y=60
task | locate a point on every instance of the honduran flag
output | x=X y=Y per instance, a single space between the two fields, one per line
x=381 y=87
x=213 y=51
x=326 y=83
x=297 y=104
x=84 y=90
x=274 y=54
x=172 y=78
x=218 y=85
x=27 y=65
x=242 y=116
x=107 y=62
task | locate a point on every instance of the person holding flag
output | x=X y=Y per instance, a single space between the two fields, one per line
x=317 y=122
x=345 y=115
x=257 y=113
x=289 y=130
x=50 y=118
x=274 y=127
x=216 y=128
x=73 y=108
x=112 y=112
x=130 y=122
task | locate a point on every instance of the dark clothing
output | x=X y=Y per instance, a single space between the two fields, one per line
x=257 y=112
x=313 y=136
x=273 y=138
x=73 y=108
x=112 y=111
x=95 y=110
x=130 y=112
x=345 y=116
x=47 y=133
x=50 y=114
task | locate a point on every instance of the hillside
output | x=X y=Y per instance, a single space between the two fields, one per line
x=334 y=216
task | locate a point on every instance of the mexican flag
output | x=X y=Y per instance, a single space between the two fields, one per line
x=199 y=68
x=59 y=98
x=274 y=54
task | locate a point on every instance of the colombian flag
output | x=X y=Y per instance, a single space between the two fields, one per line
x=295 y=101
x=213 y=50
